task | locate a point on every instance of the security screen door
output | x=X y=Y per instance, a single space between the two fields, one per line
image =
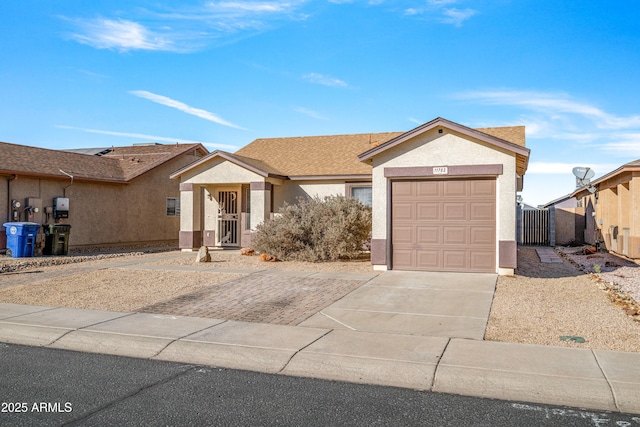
x=228 y=218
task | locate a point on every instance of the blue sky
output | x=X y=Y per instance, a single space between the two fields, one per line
x=93 y=74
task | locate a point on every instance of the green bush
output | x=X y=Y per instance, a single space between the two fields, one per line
x=316 y=229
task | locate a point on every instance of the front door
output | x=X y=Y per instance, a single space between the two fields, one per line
x=228 y=218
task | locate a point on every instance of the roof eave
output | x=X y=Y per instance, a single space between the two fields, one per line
x=515 y=148
x=229 y=157
x=581 y=192
x=63 y=177
x=330 y=177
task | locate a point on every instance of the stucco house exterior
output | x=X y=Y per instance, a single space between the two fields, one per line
x=443 y=195
x=117 y=195
x=566 y=222
x=612 y=210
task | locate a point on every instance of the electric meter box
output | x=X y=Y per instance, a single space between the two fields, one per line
x=61 y=207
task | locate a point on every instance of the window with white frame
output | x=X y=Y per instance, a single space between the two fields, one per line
x=173 y=206
x=362 y=192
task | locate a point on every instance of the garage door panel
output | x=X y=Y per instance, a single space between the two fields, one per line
x=454 y=260
x=454 y=188
x=482 y=211
x=482 y=236
x=402 y=189
x=403 y=211
x=483 y=188
x=427 y=189
x=404 y=235
x=428 y=211
x=404 y=259
x=455 y=235
x=455 y=211
x=428 y=259
x=429 y=235
x=482 y=260
x=452 y=223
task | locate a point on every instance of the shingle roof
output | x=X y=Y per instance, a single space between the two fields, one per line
x=331 y=155
x=315 y=155
x=514 y=134
x=120 y=164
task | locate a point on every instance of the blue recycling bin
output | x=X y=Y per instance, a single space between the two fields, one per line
x=21 y=238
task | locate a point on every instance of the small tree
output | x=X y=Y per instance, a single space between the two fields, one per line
x=316 y=229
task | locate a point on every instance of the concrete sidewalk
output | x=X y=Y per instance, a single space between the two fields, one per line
x=593 y=379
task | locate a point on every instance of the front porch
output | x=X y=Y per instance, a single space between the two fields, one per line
x=223 y=215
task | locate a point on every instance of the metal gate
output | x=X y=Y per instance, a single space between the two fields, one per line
x=535 y=227
x=228 y=218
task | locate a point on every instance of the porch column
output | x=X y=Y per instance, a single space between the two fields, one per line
x=190 y=232
x=260 y=202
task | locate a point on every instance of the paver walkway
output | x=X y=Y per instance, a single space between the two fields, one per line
x=548 y=255
x=261 y=297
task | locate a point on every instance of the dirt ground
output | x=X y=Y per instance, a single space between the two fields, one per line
x=544 y=302
x=539 y=305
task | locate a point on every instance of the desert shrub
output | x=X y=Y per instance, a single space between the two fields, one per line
x=316 y=229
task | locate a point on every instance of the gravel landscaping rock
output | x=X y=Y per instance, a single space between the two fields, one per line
x=544 y=302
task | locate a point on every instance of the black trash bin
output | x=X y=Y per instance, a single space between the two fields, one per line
x=57 y=239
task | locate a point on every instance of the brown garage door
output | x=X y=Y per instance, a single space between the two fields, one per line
x=444 y=225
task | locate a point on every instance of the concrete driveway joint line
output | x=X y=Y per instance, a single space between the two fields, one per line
x=337 y=321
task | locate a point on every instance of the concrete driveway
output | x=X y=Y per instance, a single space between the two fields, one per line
x=454 y=305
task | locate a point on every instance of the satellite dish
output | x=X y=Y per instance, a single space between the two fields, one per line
x=583 y=176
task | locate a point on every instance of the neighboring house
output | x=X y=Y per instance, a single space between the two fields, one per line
x=566 y=220
x=612 y=210
x=118 y=195
x=443 y=195
x=526 y=207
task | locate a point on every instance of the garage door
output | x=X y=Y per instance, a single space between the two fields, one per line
x=444 y=225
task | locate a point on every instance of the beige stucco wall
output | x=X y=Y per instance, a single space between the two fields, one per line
x=290 y=191
x=447 y=149
x=102 y=213
x=617 y=204
x=220 y=171
x=569 y=225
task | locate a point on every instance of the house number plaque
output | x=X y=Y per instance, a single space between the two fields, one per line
x=442 y=170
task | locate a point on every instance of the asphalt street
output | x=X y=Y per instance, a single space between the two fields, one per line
x=47 y=387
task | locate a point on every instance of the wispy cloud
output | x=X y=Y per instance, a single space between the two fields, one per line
x=552 y=102
x=582 y=128
x=625 y=143
x=121 y=35
x=444 y=14
x=324 y=80
x=457 y=16
x=183 y=28
x=178 y=105
x=149 y=137
x=310 y=113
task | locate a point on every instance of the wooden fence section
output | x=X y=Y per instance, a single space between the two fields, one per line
x=535 y=227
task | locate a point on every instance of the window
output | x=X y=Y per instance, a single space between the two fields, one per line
x=173 y=206
x=362 y=192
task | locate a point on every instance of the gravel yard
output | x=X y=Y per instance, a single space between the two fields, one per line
x=544 y=302
x=231 y=259
x=111 y=289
